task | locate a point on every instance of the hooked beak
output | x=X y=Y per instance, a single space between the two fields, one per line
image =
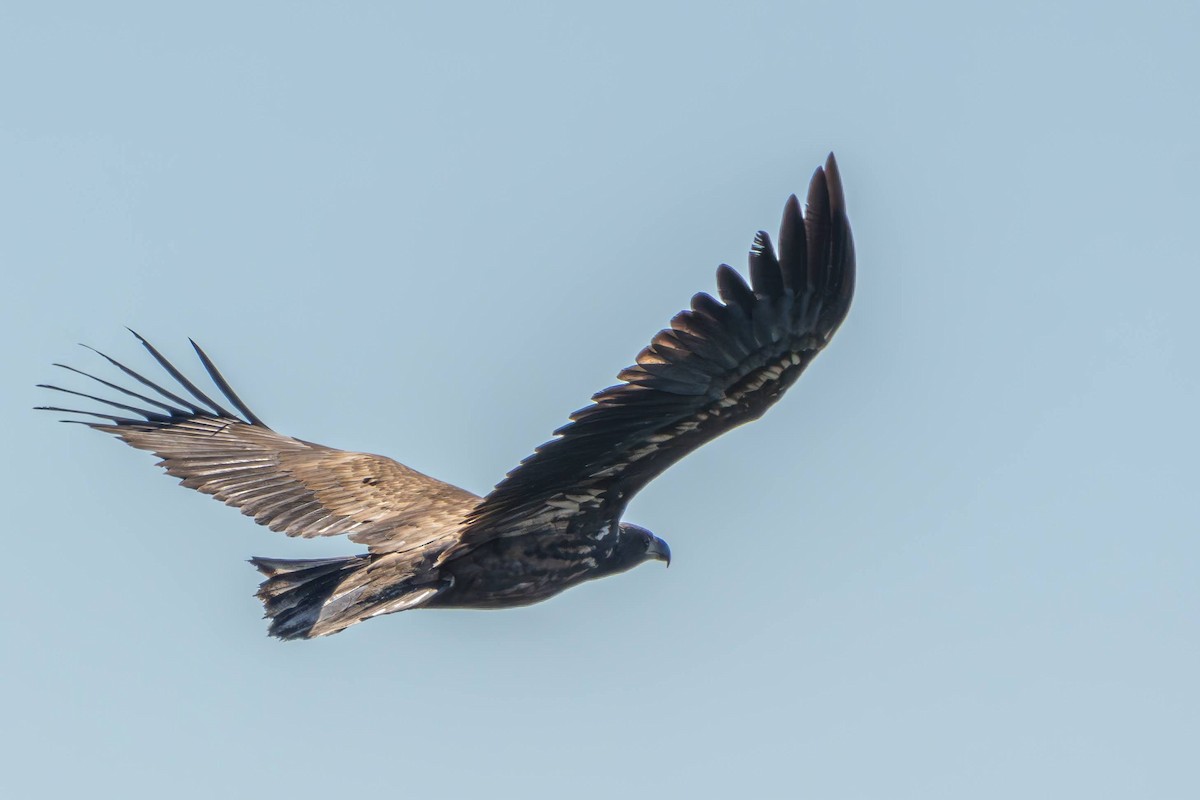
x=659 y=551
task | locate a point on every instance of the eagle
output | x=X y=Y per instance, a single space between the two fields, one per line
x=554 y=521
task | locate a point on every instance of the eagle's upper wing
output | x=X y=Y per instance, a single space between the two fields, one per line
x=719 y=365
x=289 y=485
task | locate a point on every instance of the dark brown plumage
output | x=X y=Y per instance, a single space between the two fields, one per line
x=554 y=521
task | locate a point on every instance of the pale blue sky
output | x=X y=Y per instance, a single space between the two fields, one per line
x=959 y=560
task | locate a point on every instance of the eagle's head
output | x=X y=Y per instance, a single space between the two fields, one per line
x=634 y=545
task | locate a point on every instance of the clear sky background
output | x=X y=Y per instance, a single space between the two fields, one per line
x=959 y=560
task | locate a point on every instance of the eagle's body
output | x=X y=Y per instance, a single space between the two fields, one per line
x=555 y=520
x=520 y=570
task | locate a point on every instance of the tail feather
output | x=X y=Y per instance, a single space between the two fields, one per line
x=317 y=597
x=295 y=592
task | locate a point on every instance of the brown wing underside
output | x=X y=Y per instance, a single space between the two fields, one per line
x=291 y=486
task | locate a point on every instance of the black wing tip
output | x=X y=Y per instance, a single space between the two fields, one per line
x=141 y=339
x=114 y=420
x=818 y=189
x=223 y=385
x=212 y=406
x=825 y=199
x=69 y=411
x=833 y=181
x=827 y=204
x=182 y=408
x=762 y=242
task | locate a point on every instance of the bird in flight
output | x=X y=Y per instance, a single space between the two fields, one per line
x=555 y=520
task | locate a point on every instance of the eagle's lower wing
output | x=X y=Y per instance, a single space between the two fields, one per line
x=719 y=365
x=289 y=485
